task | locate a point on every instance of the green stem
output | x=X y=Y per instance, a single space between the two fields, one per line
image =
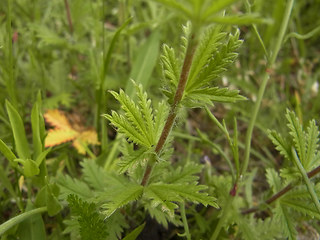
x=306 y=180
x=174 y=107
x=274 y=54
x=16 y=220
x=184 y=220
x=224 y=216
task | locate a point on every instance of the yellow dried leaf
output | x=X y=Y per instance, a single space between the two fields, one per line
x=58 y=136
x=78 y=144
x=64 y=131
x=89 y=137
x=57 y=119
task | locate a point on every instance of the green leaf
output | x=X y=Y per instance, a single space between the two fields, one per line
x=33 y=227
x=312 y=143
x=199 y=97
x=94 y=175
x=184 y=175
x=135 y=233
x=161 y=196
x=30 y=167
x=73 y=186
x=5 y=150
x=19 y=133
x=146 y=112
x=35 y=122
x=42 y=156
x=91 y=222
x=301 y=205
x=298 y=135
x=122 y=196
x=53 y=205
x=285 y=221
x=210 y=41
x=193 y=193
x=131 y=159
x=280 y=143
x=171 y=68
x=125 y=127
x=273 y=180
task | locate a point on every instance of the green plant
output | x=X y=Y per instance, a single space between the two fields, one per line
x=186 y=157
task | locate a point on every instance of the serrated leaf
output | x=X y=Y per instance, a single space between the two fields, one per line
x=190 y=192
x=130 y=160
x=146 y=111
x=210 y=42
x=171 y=66
x=312 y=143
x=280 y=143
x=93 y=174
x=285 y=220
x=163 y=197
x=216 y=62
x=122 y=197
x=198 y=97
x=302 y=206
x=124 y=126
x=298 y=135
x=273 y=179
x=184 y=175
x=73 y=186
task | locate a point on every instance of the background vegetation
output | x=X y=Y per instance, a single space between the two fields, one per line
x=235 y=157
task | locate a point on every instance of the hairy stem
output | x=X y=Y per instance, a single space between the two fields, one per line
x=280 y=193
x=174 y=107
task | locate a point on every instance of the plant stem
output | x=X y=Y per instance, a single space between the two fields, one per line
x=184 y=220
x=16 y=220
x=66 y=4
x=306 y=180
x=280 y=193
x=274 y=54
x=174 y=106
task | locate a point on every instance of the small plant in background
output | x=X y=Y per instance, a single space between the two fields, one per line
x=166 y=165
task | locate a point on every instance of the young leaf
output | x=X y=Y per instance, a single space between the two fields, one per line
x=91 y=222
x=299 y=136
x=138 y=122
x=19 y=133
x=215 y=62
x=280 y=143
